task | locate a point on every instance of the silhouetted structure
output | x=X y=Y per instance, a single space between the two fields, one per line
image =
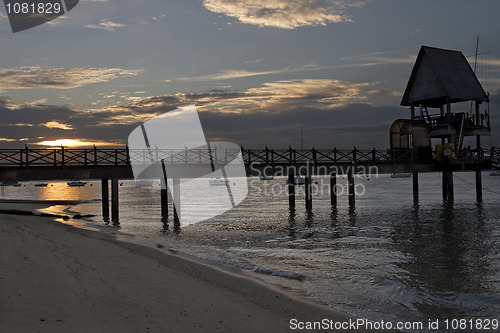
x=440 y=78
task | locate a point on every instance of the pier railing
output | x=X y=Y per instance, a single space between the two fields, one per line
x=95 y=157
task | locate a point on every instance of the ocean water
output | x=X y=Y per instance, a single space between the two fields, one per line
x=386 y=259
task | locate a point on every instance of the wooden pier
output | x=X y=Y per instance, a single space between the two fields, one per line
x=115 y=164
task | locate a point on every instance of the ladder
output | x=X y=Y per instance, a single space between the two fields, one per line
x=424 y=115
x=459 y=140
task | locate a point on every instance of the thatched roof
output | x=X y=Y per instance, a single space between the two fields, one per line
x=440 y=74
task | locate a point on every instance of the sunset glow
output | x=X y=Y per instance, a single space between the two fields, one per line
x=75 y=143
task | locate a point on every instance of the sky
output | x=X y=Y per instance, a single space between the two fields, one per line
x=258 y=71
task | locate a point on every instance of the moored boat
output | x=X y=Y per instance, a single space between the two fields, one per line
x=14 y=183
x=217 y=181
x=401 y=175
x=76 y=183
x=298 y=180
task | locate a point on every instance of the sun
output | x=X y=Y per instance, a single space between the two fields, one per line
x=74 y=143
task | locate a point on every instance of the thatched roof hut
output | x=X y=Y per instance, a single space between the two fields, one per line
x=441 y=76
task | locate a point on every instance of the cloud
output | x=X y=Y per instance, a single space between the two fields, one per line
x=59 y=78
x=286 y=95
x=237 y=73
x=105 y=24
x=375 y=59
x=284 y=14
x=332 y=113
x=56 y=124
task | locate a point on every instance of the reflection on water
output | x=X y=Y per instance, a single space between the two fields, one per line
x=385 y=259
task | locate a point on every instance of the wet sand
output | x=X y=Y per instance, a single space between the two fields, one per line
x=57 y=278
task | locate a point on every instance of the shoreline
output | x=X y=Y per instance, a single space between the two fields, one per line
x=205 y=296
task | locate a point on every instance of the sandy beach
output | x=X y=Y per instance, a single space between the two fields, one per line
x=57 y=278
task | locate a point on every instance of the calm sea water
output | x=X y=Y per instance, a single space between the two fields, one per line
x=386 y=259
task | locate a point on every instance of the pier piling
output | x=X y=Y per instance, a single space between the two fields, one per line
x=448 y=194
x=114 y=201
x=105 y=199
x=333 y=190
x=415 y=186
x=308 y=193
x=352 y=194
x=479 y=186
x=291 y=190
x=164 y=201
x=177 y=201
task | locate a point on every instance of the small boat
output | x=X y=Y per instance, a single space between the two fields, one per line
x=495 y=173
x=144 y=182
x=401 y=175
x=298 y=180
x=13 y=183
x=76 y=183
x=41 y=185
x=264 y=177
x=217 y=181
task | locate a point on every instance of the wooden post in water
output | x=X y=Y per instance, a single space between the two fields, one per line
x=291 y=189
x=415 y=186
x=444 y=185
x=448 y=185
x=479 y=186
x=333 y=190
x=351 y=191
x=177 y=201
x=105 y=199
x=114 y=201
x=479 y=183
x=308 y=193
x=451 y=194
x=164 y=201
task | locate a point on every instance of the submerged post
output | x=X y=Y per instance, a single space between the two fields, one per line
x=291 y=189
x=114 y=200
x=479 y=186
x=351 y=187
x=415 y=186
x=105 y=199
x=177 y=201
x=448 y=185
x=308 y=193
x=333 y=190
x=164 y=201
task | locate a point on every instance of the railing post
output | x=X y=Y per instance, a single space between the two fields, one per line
x=314 y=155
x=55 y=157
x=290 y=155
x=374 y=156
x=335 y=155
x=95 y=157
x=62 y=155
x=354 y=156
x=27 y=156
x=21 y=157
x=127 y=152
x=267 y=155
x=116 y=156
x=85 y=156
